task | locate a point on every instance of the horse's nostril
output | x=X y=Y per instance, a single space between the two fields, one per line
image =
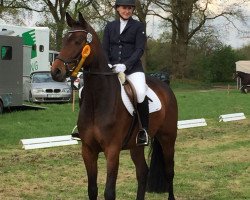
x=57 y=72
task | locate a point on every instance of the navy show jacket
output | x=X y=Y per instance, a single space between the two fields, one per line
x=127 y=47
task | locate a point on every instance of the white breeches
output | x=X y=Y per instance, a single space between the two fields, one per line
x=139 y=82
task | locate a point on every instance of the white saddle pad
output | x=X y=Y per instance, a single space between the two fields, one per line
x=154 y=101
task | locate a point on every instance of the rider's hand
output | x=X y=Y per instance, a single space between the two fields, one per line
x=119 y=68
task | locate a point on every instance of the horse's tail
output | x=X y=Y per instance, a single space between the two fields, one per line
x=157 y=178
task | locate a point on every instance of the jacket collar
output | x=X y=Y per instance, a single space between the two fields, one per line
x=130 y=22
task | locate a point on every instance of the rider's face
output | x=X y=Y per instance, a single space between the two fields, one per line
x=125 y=11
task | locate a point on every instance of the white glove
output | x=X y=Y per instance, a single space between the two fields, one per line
x=110 y=66
x=119 y=68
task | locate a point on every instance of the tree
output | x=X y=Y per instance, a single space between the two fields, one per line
x=220 y=65
x=187 y=17
x=53 y=11
x=158 y=55
x=245 y=51
x=57 y=9
x=201 y=46
x=11 y=9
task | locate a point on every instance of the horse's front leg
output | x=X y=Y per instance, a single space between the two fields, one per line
x=137 y=155
x=112 y=157
x=90 y=159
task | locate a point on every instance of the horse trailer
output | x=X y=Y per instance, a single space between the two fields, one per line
x=37 y=38
x=11 y=71
x=243 y=75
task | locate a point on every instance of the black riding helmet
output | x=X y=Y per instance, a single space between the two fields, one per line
x=125 y=3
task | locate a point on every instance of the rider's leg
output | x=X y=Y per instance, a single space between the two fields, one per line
x=143 y=112
x=139 y=82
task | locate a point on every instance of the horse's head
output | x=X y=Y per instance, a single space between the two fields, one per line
x=76 y=49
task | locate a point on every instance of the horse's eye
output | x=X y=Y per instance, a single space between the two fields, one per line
x=78 y=43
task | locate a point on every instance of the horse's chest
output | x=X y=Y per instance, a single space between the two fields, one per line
x=93 y=133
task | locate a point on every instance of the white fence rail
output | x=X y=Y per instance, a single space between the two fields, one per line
x=191 y=123
x=232 y=117
x=46 y=142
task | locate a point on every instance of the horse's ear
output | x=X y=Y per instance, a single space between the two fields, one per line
x=69 y=20
x=82 y=20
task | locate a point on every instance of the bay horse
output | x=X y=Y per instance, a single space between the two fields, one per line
x=103 y=120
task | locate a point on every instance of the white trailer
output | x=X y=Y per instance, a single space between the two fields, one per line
x=243 y=75
x=35 y=37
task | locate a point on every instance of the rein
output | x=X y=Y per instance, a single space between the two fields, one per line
x=100 y=73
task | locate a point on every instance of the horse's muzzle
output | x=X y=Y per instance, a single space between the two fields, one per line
x=58 y=74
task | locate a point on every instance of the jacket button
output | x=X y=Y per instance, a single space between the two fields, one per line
x=119 y=58
x=120 y=46
x=120 y=52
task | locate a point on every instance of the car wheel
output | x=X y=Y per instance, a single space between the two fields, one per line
x=1 y=107
x=30 y=97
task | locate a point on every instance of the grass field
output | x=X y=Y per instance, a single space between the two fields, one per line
x=211 y=163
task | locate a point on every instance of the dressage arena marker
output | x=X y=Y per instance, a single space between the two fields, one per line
x=232 y=117
x=46 y=142
x=191 y=123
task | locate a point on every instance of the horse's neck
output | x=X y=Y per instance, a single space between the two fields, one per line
x=99 y=63
x=101 y=90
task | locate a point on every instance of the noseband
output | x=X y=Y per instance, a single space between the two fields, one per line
x=77 y=63
x=67 y=64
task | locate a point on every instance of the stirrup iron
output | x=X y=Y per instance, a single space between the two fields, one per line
x=142 y=143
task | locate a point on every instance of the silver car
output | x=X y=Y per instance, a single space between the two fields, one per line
x=40 y=87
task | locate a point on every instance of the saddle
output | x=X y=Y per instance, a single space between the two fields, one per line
x=129 y=97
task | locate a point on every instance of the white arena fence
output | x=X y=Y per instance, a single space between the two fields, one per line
x=46 y=142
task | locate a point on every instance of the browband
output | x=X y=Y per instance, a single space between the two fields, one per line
x=78 y=30
x=89 y=35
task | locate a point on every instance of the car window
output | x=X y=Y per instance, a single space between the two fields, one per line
x=42 y=78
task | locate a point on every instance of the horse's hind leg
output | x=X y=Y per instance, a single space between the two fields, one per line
x=90 y=160
x=137 y=155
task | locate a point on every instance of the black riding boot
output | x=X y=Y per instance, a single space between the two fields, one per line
x=143 y=112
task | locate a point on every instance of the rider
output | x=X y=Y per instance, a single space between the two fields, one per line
x=124 y=41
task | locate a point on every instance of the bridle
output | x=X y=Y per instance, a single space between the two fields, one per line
x=78 y=62
x=67 y=64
